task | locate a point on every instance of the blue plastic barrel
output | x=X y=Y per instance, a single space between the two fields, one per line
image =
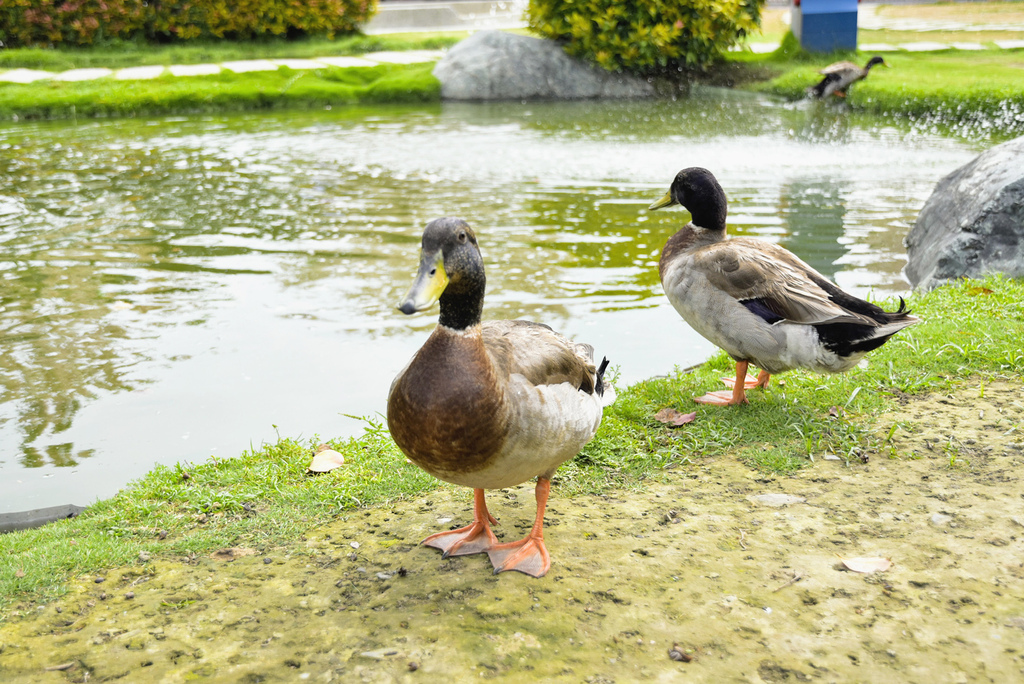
x=825 y=25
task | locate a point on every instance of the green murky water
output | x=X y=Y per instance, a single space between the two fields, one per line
x=183 y=287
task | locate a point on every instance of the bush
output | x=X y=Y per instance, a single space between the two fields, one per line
x=646 y=36
x=86 y=22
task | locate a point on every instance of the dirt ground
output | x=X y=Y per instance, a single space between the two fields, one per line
x=744 y=587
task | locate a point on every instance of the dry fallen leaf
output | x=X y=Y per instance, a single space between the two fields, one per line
x=670 y=416
x=326 y=460
x=232 y=553
x=19 y=573
x=866 y=565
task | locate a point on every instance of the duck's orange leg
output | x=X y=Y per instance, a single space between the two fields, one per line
x=476 y=537
x=750 y=382
x=527 y=555
x=738 y=394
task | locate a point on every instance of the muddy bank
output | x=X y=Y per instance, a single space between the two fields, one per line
x=747 y=587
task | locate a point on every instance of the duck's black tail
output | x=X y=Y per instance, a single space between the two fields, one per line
x=818 y=90
x=599 y=384
x=846 y=339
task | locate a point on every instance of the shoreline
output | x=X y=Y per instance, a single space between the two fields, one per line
x=263 y=497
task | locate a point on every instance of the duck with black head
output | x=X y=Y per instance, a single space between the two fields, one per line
x=758 y=301
x=838 y=77
x=489 y=404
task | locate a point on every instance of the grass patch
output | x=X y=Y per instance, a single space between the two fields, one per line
x=974 y=92
x=127 y=54
x=263 y=498
x=222 y=92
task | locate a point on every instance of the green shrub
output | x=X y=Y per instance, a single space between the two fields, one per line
x=87 y=22
x=647 y=37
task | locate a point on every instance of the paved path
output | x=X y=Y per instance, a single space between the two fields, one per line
x=148 y=72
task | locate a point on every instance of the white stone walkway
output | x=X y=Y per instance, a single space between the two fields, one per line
x=239 y=67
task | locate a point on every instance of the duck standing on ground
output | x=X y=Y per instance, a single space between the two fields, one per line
x=489 y=405
x=758 y=301
x=840 y=76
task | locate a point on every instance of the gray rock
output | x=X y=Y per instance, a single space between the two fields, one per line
x=940 y=519
x=778 y=500
x=493 y=65
x=973 y=223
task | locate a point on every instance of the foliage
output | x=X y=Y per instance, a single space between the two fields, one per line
x=647 y=37
x=88 y=22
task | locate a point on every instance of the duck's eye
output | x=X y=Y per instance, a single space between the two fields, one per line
x=462 y=237
x=433 y=271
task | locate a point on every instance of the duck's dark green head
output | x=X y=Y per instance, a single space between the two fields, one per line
x=452 y=271
x=875 y=61
x=699 y=193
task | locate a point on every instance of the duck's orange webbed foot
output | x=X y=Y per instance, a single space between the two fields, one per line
x=739 y=387
x=723 y=398
x=528 y=555
x=476 y=537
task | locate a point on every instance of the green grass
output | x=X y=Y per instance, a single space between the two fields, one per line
x=951 y=87
x=263 y=498
x=126 y=54
x=223 y=92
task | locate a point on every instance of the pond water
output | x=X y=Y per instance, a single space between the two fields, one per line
x=186 y=287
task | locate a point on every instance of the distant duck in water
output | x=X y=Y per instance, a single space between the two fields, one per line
x=840 y=76
x=489 y=405
x=758 y=301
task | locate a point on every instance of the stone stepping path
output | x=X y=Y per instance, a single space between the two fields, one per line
x=922 y=46
x=239 y=67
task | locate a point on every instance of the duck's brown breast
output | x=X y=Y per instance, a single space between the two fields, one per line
x=447 y=411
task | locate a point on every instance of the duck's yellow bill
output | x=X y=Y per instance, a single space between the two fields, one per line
x=427 y=287
x=665 y=201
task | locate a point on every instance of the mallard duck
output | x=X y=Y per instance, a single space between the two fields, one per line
x=840 y=76
x=758 y=301
x=489 y=405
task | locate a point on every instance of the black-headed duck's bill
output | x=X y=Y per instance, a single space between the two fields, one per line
x=427 y=287
x=665 y=201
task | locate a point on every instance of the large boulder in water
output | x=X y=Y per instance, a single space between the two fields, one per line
x=973 y=223
x=493 y=65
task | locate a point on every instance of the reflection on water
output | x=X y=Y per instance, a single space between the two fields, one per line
x=184 y=287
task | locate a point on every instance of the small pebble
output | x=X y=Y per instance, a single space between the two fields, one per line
x=267 y=560
x=679 y=655
x=103 y=596
x=130 y=595
x=163 y=534
x=413 y=666
x=143 y=557
x=99 y=579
